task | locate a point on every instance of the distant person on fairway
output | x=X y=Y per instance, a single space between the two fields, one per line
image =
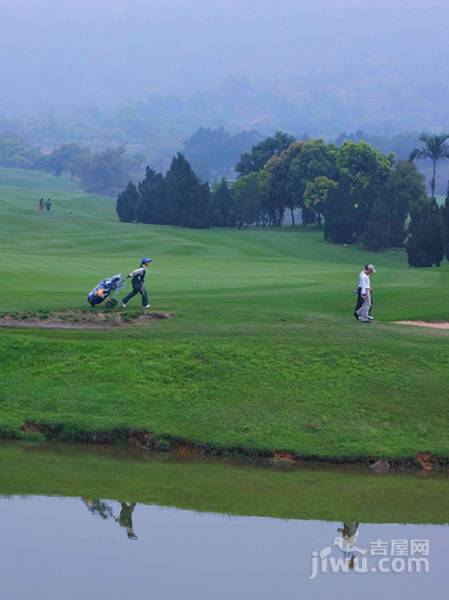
x=362 y=311
x=138 y=283
x=48 y=204
x=41 y=204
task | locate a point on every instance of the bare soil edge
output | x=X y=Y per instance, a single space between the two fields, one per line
x=81 y=320
x=429 y=324
x=148 y=441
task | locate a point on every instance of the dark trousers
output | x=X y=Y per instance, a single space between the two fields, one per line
x=359 y=302
x=136 y=291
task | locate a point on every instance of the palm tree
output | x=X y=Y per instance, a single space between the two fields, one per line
x=435 y=148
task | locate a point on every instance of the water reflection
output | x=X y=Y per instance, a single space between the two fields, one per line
x=347 y=542
x=70 y=548
x=126 y=519
x=105 y=511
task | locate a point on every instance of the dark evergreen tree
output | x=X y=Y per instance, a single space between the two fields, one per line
x=188 y=199
x=152 y=207
x=308 y=215
x=127 y=203
x=248 y=198
x=404 y=187
x=340 y=214
x=222 y=205
x=378 y=227
x=445 y=225
x=424 y=245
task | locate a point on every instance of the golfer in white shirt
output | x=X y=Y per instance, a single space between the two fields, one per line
x=363 y=306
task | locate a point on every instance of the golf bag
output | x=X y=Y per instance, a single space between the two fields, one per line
x=105 y=290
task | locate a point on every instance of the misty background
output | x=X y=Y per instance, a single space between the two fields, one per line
x=149 y=73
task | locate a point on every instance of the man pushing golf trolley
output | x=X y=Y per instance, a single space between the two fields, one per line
x=110 y=287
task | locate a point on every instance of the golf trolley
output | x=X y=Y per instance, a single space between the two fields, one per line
x=106 y=290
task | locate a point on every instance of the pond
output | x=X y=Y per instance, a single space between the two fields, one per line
x=80 y=522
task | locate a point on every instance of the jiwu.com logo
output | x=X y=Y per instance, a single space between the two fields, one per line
x=381 y=556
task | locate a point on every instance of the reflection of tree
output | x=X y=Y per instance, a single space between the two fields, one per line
x=104 y=511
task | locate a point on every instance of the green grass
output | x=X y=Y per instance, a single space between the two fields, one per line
x=226 y=487
x=263 y=352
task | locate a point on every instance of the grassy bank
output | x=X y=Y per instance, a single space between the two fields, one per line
x=263 y=353
x=225 y=487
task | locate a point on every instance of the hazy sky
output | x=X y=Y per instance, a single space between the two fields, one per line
x=64 y=53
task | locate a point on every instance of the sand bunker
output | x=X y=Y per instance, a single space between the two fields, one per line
x=80 y=319
x=430 y=325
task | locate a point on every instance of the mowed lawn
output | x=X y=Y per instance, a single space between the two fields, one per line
x=263 y=351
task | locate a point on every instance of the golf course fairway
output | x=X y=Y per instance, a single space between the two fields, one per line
x=262 y=353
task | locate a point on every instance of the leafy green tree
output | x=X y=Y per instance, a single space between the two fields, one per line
x=152 y=206
x=260 y=154
x=403 y=188
x=69 y=158
x=108 y=171
x=222 y=202
x=281 y=195
x=248 y=199
x=274 y=177
x=188 y=198
x=362 y=171
x=14 y=152
x=424 y=245
x=316 y=195
x=314 y=159
x=435 y=149
x=127 y=203
x=363 y=164
x=377 y=229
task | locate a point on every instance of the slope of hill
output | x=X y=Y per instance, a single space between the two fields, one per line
x=263 y=352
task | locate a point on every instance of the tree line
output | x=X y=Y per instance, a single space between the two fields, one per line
x=103 y=172
x=354 y=192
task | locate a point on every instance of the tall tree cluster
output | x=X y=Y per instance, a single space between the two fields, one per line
x=428 y=240
x=354 y=192
x=179 y=198
x=359 y=193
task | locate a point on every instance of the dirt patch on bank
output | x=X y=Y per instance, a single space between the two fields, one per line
x=80 y=319
x=429 y=324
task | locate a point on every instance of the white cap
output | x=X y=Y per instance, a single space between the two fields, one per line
x=370 y=267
